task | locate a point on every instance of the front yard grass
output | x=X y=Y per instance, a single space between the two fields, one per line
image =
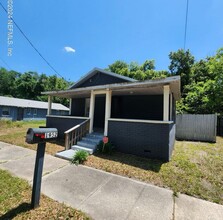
x=14 y=133
x=15 y=197
x=195 y=168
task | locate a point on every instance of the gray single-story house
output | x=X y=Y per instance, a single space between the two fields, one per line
x=23 y=109
x=138 y=117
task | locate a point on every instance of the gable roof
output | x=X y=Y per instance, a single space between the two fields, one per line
x=26 y=103
x=95 y=71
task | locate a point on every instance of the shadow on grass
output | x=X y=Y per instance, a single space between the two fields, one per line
x=132 y=160
x=24 y=207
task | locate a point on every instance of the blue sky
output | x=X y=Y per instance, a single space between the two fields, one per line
x=102 y=32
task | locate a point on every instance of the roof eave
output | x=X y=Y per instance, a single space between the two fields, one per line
x=165 y=81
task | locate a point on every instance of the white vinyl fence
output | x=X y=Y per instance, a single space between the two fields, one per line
x=196 y=127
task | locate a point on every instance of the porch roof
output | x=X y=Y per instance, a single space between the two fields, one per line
x=147 y=87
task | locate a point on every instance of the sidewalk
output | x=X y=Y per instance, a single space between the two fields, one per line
x=103 y=195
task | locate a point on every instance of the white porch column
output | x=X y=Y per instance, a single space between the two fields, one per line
x=107 y=110
x=70 y=106
x=171 y=106
x=49 y=105
x=166 y=92
x=91 y=113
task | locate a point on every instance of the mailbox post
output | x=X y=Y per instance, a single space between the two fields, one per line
x=37 y=177
x=39 y=136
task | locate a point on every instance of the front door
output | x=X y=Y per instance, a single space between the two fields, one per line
x=20 y=114
x=99 y=114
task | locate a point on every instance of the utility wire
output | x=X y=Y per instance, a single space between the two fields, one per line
x=185 y=30
x=31 y=43
x=5 y=63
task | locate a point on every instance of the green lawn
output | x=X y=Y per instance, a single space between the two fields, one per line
x=15 y=197
x=195 y=168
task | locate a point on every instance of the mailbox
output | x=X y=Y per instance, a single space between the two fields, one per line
x=41 y=135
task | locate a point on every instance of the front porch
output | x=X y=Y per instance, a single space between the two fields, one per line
x=138 y=119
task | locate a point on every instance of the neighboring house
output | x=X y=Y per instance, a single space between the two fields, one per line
x=24 y=109
x=137 y=116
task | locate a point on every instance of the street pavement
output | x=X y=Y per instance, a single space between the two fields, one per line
x=102 y=195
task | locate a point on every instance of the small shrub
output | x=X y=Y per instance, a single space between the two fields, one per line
x=105 y=148
x=79 y=157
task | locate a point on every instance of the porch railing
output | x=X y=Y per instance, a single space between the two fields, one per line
x=76 y=133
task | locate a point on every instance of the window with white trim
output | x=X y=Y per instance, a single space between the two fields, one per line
x=5 y=111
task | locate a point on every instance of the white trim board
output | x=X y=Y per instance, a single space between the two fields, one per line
x=64 y=116
x=141 y=121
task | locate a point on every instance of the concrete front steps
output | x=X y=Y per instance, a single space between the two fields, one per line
x=88 y=143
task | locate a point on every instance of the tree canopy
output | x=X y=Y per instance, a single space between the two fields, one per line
x=134 y=70
x=29 y=85
x=204 y=92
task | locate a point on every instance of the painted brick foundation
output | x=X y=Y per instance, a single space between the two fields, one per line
x=143 y=139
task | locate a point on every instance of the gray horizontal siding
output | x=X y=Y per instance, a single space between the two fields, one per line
x=144 y=139
x=62 y=124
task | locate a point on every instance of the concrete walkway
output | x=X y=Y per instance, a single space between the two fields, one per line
x=103 y=195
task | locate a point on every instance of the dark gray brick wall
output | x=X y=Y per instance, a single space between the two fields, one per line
x=62 y=124
x=143 y=139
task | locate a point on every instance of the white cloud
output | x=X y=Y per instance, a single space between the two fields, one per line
x=69 y=49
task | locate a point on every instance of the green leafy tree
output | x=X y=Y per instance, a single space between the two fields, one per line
x=181 y=63
x=53 y=83
x=204 y=94
x=134 y=70
x=119 y=67
x=148 y=65
x=29 y=85
x=7 y=82
x=26 y=85
x=41 y=86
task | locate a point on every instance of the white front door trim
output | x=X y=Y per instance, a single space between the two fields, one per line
x=108 y=98
x=91 y=113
